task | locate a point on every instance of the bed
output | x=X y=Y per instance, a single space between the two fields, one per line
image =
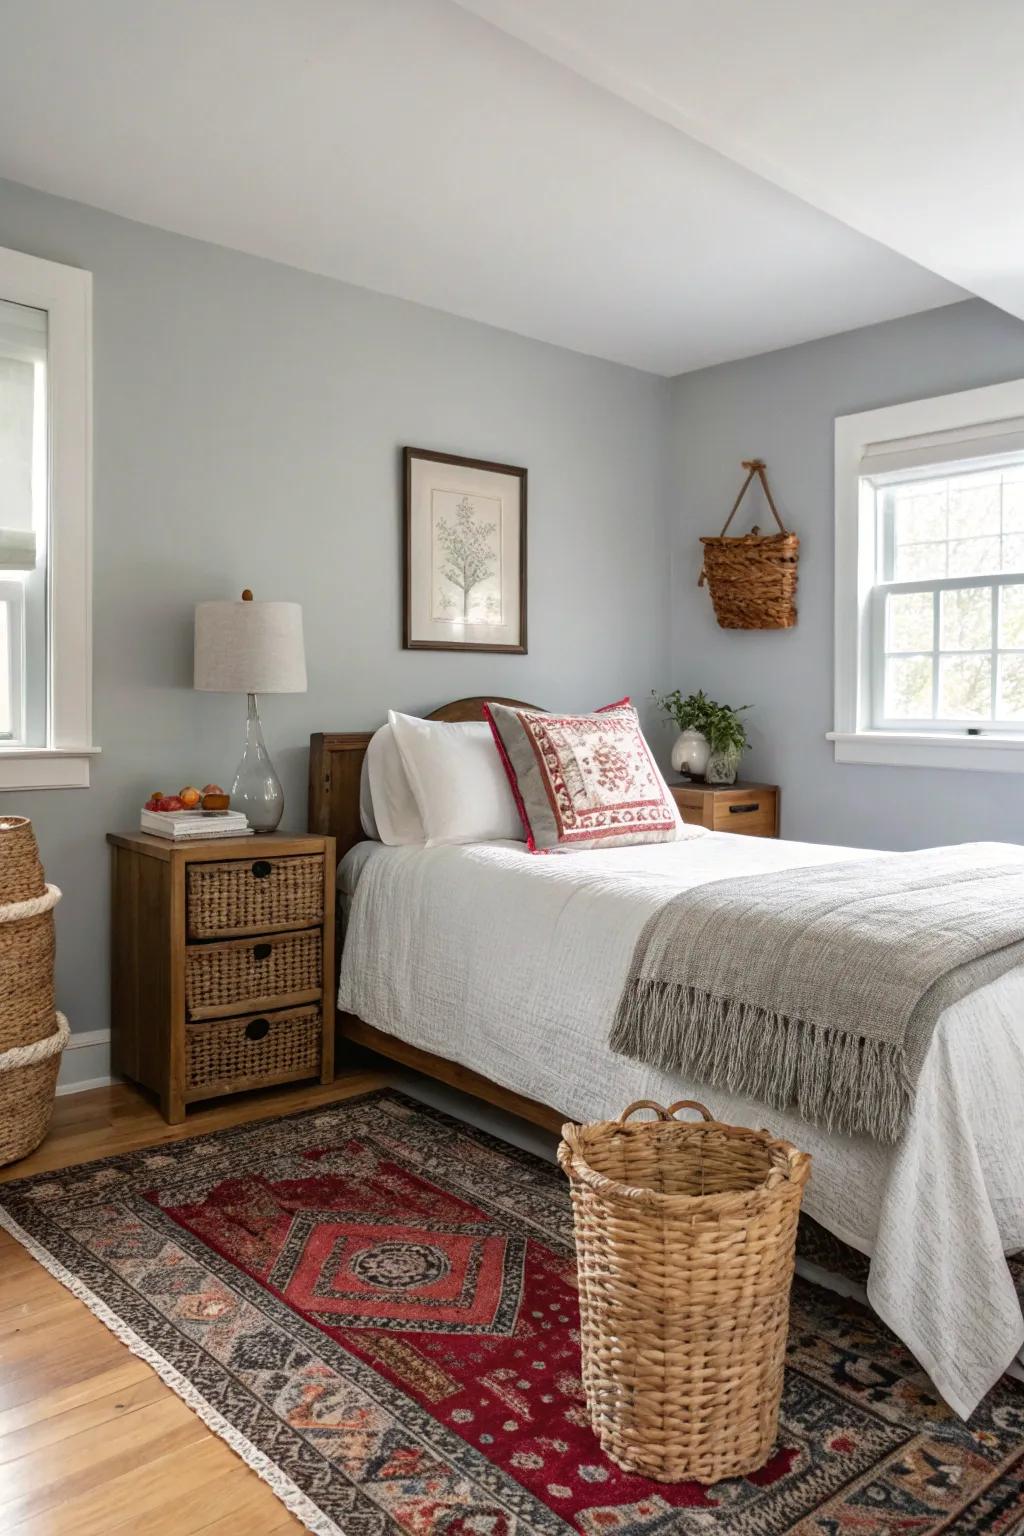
x=499 y=972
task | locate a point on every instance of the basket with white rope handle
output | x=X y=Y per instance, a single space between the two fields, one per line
x=39 y=1050
x=28 y=1081
x=33 y=1034
x=27 y=948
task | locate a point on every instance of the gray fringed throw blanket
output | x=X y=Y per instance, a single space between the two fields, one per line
x=820 y=987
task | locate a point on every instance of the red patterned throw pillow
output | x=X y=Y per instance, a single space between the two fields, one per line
x=583 y=781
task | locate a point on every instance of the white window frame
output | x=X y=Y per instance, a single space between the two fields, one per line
x=65 y=293
x=973 y=414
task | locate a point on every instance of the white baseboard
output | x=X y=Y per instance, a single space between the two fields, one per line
x=97 y=1040
x=85 y=1085
x=87 y=1037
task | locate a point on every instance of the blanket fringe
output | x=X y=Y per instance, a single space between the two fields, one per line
x=840 y=1081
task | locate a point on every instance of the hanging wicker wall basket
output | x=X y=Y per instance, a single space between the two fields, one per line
x=752 y=580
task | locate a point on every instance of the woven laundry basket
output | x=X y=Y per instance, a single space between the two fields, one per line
x=32 y=1033
x=685 y=1236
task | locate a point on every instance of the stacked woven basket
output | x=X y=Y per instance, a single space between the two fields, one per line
x=32 y=1033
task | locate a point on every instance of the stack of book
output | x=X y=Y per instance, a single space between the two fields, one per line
x=184 y=826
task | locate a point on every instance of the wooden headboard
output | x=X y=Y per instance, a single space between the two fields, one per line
x=336 y=764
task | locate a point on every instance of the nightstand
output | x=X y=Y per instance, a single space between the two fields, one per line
x=749 y=808
x=222 y=956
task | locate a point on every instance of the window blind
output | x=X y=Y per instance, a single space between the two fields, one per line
x=986 y=440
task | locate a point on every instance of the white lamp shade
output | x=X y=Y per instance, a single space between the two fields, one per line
x=249 y=647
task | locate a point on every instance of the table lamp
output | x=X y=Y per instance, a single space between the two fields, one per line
x=252 y=648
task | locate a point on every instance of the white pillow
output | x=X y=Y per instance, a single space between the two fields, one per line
x=393 y=809
x=457 y=777
x=367 y=820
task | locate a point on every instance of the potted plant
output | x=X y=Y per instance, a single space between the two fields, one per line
x=711 y=736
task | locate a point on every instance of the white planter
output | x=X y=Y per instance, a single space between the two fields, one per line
x=690 y=753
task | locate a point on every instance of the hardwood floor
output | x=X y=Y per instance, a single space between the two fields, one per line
x=91 y=1441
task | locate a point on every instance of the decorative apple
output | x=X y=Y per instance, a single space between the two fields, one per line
x=212 y=789
x=189 y=796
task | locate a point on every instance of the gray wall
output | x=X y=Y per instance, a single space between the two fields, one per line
x=248 y=419
x=781 y=407
x=247 y=425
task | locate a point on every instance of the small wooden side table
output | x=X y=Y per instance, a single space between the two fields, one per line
x=752 y=809
x=222 y=956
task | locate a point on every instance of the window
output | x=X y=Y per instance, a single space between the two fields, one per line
x=948 y=634
x=930 y=582
x=45 y=493
x=24 y=520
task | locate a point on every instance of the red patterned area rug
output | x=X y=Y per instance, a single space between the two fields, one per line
x=375 y=1305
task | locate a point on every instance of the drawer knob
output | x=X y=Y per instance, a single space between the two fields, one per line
x=261 y=869
x=256 y=1029
x=261 y=951
x=742 y=810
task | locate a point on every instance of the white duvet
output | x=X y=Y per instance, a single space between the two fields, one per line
x=512 y=964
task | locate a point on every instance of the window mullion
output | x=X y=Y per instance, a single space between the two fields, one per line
x=995 y=633
x=888 y=537
x=936 y=637
x=876 y=680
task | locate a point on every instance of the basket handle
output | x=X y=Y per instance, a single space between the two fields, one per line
x=661 y=1112
x=631 y=1109
x=755 y=467
x=702 y=1109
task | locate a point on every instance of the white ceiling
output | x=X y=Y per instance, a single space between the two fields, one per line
x=903 y=118
x=412 y=147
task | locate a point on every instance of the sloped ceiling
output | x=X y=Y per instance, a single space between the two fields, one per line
x=902 y=118
x=415 y=148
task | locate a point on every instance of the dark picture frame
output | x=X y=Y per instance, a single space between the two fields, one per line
x=470 y=547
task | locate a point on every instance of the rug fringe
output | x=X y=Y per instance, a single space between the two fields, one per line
x=279 y=1483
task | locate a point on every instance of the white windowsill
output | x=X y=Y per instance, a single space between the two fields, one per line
x=45 y=767
x=930 y=749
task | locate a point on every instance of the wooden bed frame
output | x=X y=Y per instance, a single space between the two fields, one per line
x=335 y=770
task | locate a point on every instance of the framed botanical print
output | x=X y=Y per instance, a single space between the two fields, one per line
x=465 y=554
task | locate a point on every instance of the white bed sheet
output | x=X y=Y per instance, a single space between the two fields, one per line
x=512 y=965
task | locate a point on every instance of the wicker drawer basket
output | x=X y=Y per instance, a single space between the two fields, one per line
x=685 y=1236
x=275 y=1047
x=244 y=974
x=254 y=896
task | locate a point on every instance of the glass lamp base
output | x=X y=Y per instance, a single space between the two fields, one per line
x=257 y=790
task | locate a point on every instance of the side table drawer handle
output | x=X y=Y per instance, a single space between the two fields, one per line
x=261 y=869
x=261 y=951
x=256 y=1029
x=741 y=810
